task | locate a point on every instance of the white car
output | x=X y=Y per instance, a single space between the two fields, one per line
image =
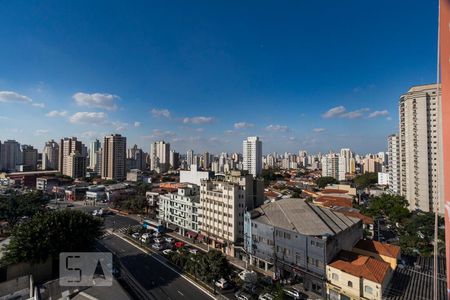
x=293 y=292
x=266 y=296
x=242 y=295
x=94 y=213
x=158 y=240
x=193 y=250
x=136 y=235
x=157 y=246
x=145 y=239
x=145 y=235
x=221 y=283
x=169 y=239
x=167 y=251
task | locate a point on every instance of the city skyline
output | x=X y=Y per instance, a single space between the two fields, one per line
x=206 y=87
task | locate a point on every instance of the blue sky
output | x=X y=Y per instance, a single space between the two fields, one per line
x=315 y=75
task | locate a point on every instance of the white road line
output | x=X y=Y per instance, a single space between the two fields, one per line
x=166 y=265
x=180 y=293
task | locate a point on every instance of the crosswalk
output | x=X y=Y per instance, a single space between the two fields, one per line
x=122 y=230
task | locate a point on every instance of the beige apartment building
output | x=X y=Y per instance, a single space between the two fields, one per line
x=67 y=146
x=419 y=150
x=114 y=157
x=223 y=202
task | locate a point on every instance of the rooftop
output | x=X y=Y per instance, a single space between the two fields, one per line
x=330 y=201
x=380 y=248
x=297 y=215
x=361 y=266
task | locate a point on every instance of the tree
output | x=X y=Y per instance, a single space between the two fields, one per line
x=218 y=265
x=392 y=206
x=15 y=206
x=324 y=181
x=48 y=234
x=365 y=180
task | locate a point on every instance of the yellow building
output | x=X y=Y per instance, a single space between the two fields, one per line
x=352 y=276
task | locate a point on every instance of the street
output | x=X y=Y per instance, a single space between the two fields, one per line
x=158 y=279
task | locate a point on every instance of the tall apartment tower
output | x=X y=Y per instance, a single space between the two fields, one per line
x=345 y=163
x=419 y=150
x=76 y=165
x=93 y=148
x=11 y=155
x=330 y=165
x=50 y=156
x=29 y=156
x=137 y=155
x=174 y=159
x=114 y=157
x=252 y=152
x=67 y=146
x=160 y=156
x=190 y=157
x=394 y=164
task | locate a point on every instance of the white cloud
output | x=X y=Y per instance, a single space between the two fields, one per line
x=137 y=124
x=40 y=132
x=88 y=118
x=96 y=100
x=333 y=112
x=319 y=129
x=90 y=134
x=379 y=113
x=160 y=134
x=242 y=125
x=354 y=114
x=37 y=104
x=277 y=128
x=56 y=113
x=160 y=112
x=4 y=118
x=9 y=96
x=198 y=120
x=119 y=125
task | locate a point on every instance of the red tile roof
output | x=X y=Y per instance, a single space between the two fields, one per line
x=334 y=191
x=330 y=201
x=361 y=266
x=380 y=248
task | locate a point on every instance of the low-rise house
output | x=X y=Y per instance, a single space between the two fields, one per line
x=95 y=194
x=46 y=183
x=382 y=251
x=294 y=238
x=355 y=276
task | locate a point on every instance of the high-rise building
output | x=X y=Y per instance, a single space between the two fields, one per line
x=394 y=164
x=330 y=165
x=50 y=156
x=345 y=163
x=93 y=148
x=1 y=156
x=160 y=156
x=419 y=147
x=76 y=165
x=252 y=152
x=67 y=146
x=114 y=157
x=206 y=161
x=137 y=155
x=190 y=157
x=29 y=157
x=11 y=155
x=174 y=159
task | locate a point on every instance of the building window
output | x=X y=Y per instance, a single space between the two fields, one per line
x=350 y=284
x=335 y=276
x=368 y=289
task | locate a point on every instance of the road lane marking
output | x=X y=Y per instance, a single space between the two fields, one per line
x=166 y=265
x=180 y=293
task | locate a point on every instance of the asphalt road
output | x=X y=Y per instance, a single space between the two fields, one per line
x=159 y=280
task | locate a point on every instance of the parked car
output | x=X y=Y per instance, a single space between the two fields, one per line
x=169 y=239
x=145 y=238
x=146 y=235
x=248 y=276
x=157 y=246
x=94 y=213
x=294 y=293
x=136 y=235
x=241 y=295
x=266 y=296
x=158 y=240
x=167 y=251
x=157 y=234
x=193 y=250
x=222 y=283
